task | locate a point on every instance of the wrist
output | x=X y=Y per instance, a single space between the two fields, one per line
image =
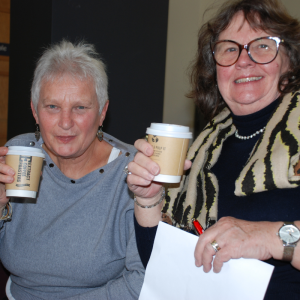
x=148 y=201
x=152 y=202
x=276 y=246
x=283 y=246
x=149 y=217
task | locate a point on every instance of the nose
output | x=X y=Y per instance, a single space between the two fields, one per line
x=244 y=60
x=66 y=120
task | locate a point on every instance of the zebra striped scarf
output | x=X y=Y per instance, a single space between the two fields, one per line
x=270 y=165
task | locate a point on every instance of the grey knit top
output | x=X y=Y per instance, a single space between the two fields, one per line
x=77 y=239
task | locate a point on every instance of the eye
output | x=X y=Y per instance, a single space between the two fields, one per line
x=232 y=49
x=263 y=46
x=52 y=106
x=80 y=107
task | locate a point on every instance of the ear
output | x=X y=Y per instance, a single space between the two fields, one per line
x=35 y=115
x=103 y=113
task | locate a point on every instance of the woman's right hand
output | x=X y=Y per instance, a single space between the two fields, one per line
x=143 y=170
x=147 y=192
x=6 y=176
x=140 y=182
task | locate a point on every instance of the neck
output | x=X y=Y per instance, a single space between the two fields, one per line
x=95 y=156
x=249 y=124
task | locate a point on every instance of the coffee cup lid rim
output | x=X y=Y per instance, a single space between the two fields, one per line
x=169 y=127
x=24 y=148
x=169 y=130
x=30 y=151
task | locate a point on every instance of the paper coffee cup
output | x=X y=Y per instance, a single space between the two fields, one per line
x=27 y=163
x=170 y=143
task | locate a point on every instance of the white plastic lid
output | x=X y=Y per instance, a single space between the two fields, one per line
x=21 y=193
x=169 y=130
x=167 y=178
x=30 y=151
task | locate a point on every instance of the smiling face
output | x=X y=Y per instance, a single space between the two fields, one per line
x=246 y=86
x=68 y=115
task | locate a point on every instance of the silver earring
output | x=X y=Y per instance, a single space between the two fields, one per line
x=100 y=133
x=37 y=132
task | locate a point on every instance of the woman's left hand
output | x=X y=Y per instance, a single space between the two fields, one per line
x=237 y=238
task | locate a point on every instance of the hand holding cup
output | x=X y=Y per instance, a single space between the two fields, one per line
x=167 y=149
x=170 y=143
x=27 y=163
x=143 y=170
x=6 y=177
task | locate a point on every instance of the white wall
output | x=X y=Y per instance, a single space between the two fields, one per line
x=185 y=19
x=293 y=7
x=183 y=24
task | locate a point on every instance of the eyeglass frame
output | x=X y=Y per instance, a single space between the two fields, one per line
x=247 y=46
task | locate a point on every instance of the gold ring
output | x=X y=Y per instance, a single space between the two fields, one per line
x=215 y=245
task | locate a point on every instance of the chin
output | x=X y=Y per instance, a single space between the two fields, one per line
x=66 y=152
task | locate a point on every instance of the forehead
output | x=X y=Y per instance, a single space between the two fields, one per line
x=239 y=30
x=68 y=86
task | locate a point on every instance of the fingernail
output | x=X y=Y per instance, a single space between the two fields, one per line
x=197 y=264
x=148 y=151
x=155 y=170
x=150 y=177
x=11 y=172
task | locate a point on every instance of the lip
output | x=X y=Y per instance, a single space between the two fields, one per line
x=248 y=79
x=65 y=139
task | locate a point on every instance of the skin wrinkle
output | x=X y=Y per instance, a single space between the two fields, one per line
x=68 y=115
x=243 y=99
x=245 y=239
x=249 y=97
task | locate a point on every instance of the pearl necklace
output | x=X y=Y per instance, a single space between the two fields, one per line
x=249 y=136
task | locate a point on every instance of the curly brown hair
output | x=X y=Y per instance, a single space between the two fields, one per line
x=267 y=15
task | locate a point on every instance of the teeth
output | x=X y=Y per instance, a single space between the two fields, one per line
x=248 y=79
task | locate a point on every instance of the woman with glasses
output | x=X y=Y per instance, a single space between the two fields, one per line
x=243 y=176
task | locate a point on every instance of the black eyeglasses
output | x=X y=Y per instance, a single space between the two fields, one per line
x=262 y=50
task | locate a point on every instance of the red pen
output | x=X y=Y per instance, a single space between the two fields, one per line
x=198 y=228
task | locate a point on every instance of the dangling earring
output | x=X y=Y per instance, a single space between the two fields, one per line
x=100 y=133
x=37 y=132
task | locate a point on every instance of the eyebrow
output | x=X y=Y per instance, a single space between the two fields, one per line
x=79 y=102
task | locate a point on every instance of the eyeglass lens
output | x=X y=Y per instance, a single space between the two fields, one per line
x=261 y=51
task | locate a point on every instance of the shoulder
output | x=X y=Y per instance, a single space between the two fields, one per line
x=128 y=149
x=26 y=139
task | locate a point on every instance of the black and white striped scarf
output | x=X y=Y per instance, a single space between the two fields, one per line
x=270 y=165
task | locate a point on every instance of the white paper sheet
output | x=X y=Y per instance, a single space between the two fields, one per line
x=171 y=272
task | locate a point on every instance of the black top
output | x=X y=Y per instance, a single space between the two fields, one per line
x=275 y=205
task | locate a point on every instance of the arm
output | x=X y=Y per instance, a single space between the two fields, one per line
x=239 y=238
x=147 y=192
x=143 y=170
x=144 y=239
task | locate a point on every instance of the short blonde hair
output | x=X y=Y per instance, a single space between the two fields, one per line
x=81 y=61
